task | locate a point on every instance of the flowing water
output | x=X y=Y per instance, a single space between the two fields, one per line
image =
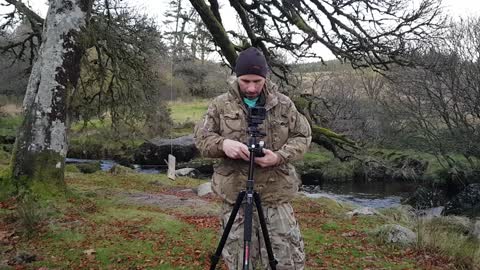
x=370 y=194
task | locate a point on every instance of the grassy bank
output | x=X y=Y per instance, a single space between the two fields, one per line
x=141 y=221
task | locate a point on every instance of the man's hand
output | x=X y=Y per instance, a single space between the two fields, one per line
x=235 y=150
x=270 y=159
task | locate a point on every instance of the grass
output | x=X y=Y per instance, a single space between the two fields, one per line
x=182 y=112
x=94 y=226
x=321 y=156
x=450 y=239
x=9 y=124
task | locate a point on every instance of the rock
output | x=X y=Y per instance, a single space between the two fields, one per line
x=203 y=165
x=374 y=170
x=89 y=167
x=425 y=198
x=430 y=212
x=310 y=176
x=120 y=170
x=156 y=151
x=395 y=234
x=204 y=189
x=364 y=211
x=467 y=202
x=188 y=172
x=408 y=168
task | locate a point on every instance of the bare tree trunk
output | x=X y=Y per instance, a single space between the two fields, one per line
x=41 y=145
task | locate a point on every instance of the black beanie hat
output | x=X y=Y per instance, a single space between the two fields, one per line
x=251 y=61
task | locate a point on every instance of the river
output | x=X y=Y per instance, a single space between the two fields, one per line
x=370 y=194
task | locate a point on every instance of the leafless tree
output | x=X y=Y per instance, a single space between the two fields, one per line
x=364 y=32
x=441 y=100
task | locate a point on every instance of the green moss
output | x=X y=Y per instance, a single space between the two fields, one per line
x=338 y=171
x=71 y=168
x=44 y=166
x=89 y=167
x=317 y=157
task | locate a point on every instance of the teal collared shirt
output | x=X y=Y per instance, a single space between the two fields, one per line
x=250 y=102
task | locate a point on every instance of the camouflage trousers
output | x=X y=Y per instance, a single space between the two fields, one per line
x=287 y=242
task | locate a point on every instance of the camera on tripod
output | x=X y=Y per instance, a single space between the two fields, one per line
x=256 y=115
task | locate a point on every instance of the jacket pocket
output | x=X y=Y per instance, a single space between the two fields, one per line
x=232 y=123
x=281 y=131
x=224 y=170
x=225 y=184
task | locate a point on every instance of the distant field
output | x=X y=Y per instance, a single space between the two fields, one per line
x=182 y=112
x=11 y=109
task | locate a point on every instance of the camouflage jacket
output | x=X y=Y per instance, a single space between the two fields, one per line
x=287 y=133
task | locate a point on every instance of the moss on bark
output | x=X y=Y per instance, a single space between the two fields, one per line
x=44 y=166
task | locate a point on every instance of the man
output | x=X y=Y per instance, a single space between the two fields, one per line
x=223 y=134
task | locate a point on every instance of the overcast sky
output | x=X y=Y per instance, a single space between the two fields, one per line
x=458 y=8
x=156 y=8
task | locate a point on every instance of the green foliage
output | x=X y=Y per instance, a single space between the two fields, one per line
x=100 y=144
x=71 y=168
x=89 y=167
x=4 y=157
x=6 y=185
x=29 y=212
x=9 y=124
x=338 y=171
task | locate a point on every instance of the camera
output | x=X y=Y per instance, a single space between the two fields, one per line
x=256 y=115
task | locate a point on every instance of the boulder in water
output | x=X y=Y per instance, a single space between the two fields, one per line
x=467 y=202
x=156 y=151
x=188 y=172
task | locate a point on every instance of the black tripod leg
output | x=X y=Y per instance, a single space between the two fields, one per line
x=216 y=257
x=271 y=259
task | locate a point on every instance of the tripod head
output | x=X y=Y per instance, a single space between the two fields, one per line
x=256 y=115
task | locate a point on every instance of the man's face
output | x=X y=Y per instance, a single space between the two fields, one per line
x=251 y=85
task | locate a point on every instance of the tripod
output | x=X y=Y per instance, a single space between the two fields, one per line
x=251 y=197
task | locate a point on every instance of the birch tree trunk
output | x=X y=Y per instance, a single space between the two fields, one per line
x=41 y=145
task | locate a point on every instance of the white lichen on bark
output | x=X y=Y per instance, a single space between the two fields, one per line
x=62 y=17
x=41 y=145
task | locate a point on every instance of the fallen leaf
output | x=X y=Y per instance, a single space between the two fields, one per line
x=89 y=252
